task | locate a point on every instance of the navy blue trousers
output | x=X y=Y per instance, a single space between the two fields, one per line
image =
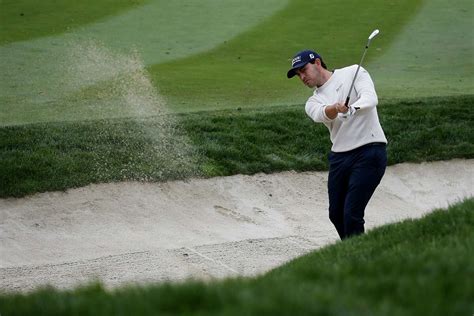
x=353 y=178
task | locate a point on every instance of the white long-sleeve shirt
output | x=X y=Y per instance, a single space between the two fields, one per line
x=361 y=128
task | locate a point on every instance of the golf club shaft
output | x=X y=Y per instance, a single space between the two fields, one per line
x=355 y=76
x=372 y=35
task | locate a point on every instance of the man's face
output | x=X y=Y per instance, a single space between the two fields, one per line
x=309 y=75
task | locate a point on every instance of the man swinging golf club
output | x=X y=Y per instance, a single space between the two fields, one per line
x=345 y=101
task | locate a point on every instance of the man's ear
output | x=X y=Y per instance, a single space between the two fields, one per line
x=317 y=62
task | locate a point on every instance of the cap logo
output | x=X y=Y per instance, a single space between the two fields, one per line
x=311 y=56
x=295 y=60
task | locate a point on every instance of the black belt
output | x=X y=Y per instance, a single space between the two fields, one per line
x=360 y=147
x=374 y=144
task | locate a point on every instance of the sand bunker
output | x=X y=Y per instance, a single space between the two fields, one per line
x=201 y=228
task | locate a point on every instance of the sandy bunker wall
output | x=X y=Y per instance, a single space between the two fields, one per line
x=202 y=228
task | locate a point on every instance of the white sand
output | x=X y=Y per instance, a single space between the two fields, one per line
x=201 y=228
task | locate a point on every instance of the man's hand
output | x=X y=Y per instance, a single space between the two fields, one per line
x=341 y=108
x=344 y=116
x=333 y=110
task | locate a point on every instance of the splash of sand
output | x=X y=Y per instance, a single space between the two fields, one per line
x=120 y=84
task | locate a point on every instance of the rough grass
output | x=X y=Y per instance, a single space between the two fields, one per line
x=416 y=267
x=57 y=156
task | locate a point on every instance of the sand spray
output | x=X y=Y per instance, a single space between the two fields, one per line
x=119 y=83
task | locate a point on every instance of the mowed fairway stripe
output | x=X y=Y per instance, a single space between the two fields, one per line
x=432 y=55
x=162 y=30
x=409 y=58
x=251 y=69
x=153 y=33
x=425 y=49
x=28 y=19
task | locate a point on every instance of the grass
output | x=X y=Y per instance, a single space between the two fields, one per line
x=416 y=267
x=405 y=60
x=217 y=59
x=56 y=156
x=27 y=19
x=411 y=268
x=419 y=61
x=250 y=69
x=89 y=67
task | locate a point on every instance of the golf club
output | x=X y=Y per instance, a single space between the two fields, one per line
x=372 y=35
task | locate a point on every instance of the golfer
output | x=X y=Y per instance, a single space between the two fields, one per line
x=358 y=155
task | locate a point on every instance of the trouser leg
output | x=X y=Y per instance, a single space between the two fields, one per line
x=366 y=174
x=337 y=190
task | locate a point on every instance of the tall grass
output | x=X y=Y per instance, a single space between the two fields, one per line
x=57 y=156
x=416 y=267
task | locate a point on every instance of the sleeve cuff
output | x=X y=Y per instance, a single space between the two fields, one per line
x=326 y=118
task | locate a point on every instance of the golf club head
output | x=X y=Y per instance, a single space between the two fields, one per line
x=371 y=36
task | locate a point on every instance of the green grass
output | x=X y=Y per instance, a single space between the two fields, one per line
x=57 y=156
x=285 y=138
x=27 y=19
x=250 y=70
x=89 y=67
x=415 y=54
x=203 y=56
x=416 y=267
x=419 y=61
x=200 y=62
